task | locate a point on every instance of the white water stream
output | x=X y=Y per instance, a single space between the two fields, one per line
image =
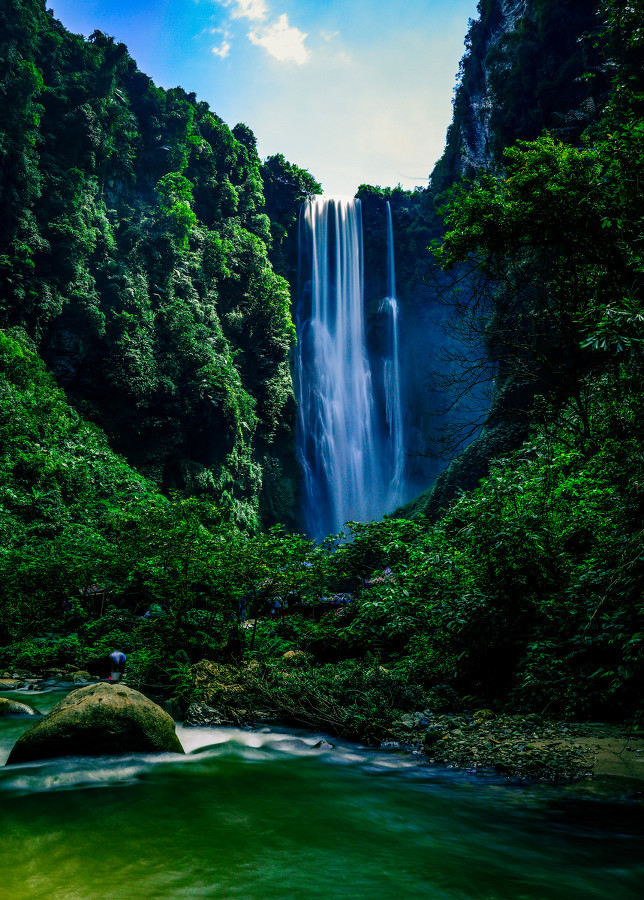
x=350 y=448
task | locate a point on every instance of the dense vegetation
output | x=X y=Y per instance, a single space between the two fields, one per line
x=135 y=254
x=527 y=592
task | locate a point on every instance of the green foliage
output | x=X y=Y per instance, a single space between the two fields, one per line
x=347 y=698
x=134 y=253
x=286 y=187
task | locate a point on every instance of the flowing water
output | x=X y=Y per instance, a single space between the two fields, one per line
x=264 y=814
x=395 y=450
x=349 y=447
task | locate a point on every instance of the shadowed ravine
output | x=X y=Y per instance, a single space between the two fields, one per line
x=263 y=814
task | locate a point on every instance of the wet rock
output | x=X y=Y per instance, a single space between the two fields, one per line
x=82 y=676
x=99 y=720
x=9 y=684
x=415 y=720
x=201 y=715
x=323 y=745
x=14 y=708
x=483 y=715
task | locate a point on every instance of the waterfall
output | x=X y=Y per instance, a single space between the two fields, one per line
x=349 y=447
x=392 y=380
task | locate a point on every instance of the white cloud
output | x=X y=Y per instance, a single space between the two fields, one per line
x=222 y=50
x=281 y=40
x=255 y=10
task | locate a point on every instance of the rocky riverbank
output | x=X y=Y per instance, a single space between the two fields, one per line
x=521 y=747
x=528 y=747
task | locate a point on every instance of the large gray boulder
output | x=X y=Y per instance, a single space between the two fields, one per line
x=99 y=720
x=15 y=708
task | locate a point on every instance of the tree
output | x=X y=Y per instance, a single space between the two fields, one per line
x=538 y=254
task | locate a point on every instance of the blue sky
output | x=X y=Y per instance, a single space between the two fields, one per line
x=352 y=90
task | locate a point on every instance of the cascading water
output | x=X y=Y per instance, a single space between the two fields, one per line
x=392 y=379
x=350 y=450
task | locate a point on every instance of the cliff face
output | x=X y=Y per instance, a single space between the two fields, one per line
x=474 y=130
x=529 y=65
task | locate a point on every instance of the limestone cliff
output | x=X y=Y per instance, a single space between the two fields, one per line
x=474 y=131
x=529 y=65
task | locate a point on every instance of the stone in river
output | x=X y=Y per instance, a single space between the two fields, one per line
x=14 y=708
x=99 y=720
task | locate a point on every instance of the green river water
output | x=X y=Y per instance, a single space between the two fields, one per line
x=262 y=814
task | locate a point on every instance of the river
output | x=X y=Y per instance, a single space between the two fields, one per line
x=262 y=814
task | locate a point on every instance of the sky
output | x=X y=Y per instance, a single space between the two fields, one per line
x=355 y=91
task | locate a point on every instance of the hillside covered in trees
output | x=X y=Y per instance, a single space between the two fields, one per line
x=135 y=255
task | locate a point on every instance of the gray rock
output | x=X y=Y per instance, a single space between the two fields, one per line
x=82 y=676
x=323 y=745
x=414 y=720
x=200 y=715
x=99 y=720
x=14 y=708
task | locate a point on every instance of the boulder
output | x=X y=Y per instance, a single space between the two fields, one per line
x=220 y=686
x=14 y=708
x=99 y=720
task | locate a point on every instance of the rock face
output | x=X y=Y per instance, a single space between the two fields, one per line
x=14 y=708
x=476 y=150
x=99 y=720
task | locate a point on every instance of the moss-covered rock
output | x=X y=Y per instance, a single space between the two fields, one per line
x=14 y=708
x=99 y=720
